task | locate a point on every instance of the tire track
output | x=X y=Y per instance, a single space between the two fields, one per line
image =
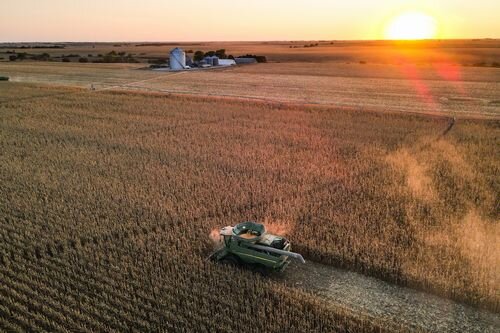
x=450 y=126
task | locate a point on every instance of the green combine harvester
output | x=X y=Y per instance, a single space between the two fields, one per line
x=249 y=244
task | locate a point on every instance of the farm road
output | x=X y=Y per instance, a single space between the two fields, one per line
x=394 y=305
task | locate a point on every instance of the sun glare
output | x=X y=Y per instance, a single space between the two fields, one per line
x=412 y=25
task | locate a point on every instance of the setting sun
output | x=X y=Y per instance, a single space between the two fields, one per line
x=412 y=25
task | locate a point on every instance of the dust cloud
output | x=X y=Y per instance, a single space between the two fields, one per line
x=476 y=238
x=416 y=174
x=454 y=156
x=215 y=236
x=472 y=235
x=278 y=227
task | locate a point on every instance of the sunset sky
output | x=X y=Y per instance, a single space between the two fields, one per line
x=194 y=20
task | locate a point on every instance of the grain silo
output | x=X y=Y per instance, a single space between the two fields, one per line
x=177 y=59
x=209 y=60
x=215 y=61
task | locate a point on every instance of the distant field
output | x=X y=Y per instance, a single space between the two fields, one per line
x=442 y=89
x=460 y=52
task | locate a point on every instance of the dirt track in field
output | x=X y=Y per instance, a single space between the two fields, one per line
x=386 y=302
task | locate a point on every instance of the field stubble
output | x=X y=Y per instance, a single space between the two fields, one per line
x=437 y=89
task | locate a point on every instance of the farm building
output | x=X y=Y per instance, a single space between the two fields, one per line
x=180 y=61
x=227 y=62
x=245 y=61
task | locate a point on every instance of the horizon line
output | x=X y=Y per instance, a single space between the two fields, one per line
x=250 y=41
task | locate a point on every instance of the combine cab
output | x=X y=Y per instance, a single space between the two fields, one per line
x=248 y=244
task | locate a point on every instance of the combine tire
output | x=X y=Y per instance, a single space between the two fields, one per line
x=230 y=261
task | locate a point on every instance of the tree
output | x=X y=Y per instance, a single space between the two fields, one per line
x=198 y=55
x=83 y=60
x=22 y=56
x=221 y=53
x=108 y=58
x=41 y=57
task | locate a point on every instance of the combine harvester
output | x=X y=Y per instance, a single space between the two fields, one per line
x=248 y=244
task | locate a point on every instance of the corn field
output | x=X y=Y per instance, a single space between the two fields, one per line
x=107 y=201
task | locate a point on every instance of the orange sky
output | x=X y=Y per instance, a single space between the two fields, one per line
x=194 y=20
